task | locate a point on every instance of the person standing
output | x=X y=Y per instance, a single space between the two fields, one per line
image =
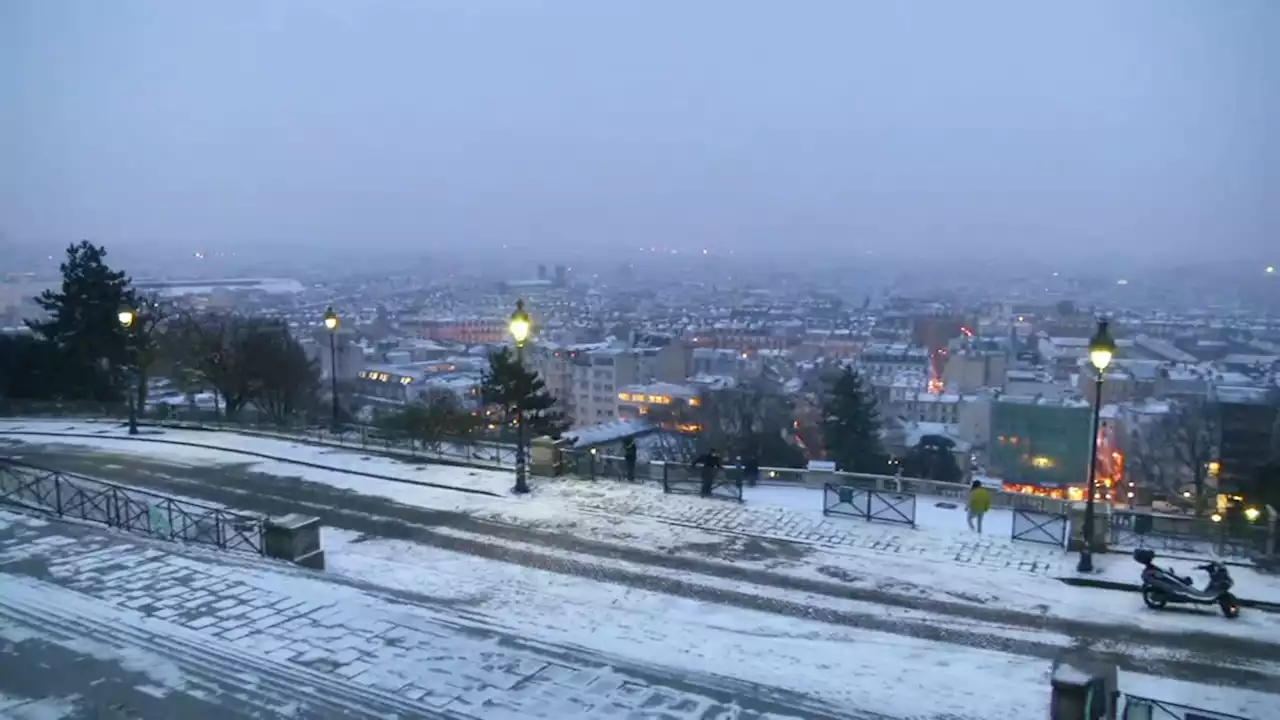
x=710 y=462
x=629 y=457
x=979 y=504
x=751 y=469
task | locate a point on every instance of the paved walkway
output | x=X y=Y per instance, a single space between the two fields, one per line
x=848 y=534
x=929 y=543
x=195 y=634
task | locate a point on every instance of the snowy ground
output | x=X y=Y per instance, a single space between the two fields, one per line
x=896 y=675
x=940 y=558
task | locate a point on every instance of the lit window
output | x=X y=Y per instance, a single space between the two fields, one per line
x=1042 y=462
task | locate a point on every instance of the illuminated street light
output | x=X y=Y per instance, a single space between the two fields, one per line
x=1101 y=349
x=126 y=316
x=331 y=324
x=520 y=326
x=1252 y=513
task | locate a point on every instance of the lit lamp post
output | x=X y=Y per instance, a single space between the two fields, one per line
x=127 y=316
x=1101 y=349
x=520 y=332
x=331 y=324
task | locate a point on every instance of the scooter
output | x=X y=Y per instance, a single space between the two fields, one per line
x=1161 y=587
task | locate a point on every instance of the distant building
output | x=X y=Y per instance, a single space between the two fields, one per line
x=887 y=359
x=972 y=365
x=1040 y=441
x=585 y=378
x=471 y=331
x=1247 y=424
x=674 y=406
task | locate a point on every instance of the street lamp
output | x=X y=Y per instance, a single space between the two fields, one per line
x=126 y=316
x=1101 y=349
x=520 y=333
x=331 y=324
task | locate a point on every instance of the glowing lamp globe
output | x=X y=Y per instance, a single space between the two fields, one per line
x=520 y=323
x=1102 y=347
x=330 y=319
x=125 y=317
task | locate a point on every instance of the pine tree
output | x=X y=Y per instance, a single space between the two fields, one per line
x=851 y=426
x=516 y=389
x=93 y=349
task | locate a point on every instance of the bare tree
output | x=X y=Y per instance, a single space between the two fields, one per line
x=753 y=420
x=146 y=343
x=1189 y=434
x=1148 y=462
x=436 y=418
x=283 y=380
x=231 y=354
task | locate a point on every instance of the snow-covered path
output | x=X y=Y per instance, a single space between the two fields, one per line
x=569 y=606
x=939 y=559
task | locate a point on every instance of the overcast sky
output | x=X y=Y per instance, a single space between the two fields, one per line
x=1006 y=127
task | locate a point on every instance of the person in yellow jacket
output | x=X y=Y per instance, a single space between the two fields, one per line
x=979 y=504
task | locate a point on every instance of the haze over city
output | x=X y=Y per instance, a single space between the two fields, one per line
x=1141 y=130
x=590 y=359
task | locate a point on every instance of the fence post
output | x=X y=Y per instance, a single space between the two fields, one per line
x=114 y=509
x=665 y=487
x=867 y=513
x=217 y=529
x=57 y=494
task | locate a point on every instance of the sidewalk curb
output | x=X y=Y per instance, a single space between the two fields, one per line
x=264 y=456
x=1134 y=588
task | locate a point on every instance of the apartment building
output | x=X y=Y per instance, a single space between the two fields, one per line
x=586 y=379
x=878 y=360
x=470 y=331
x=972 y=365
x=1039 y=440
x=675 y=405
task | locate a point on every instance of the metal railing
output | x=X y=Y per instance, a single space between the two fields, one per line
x=1142 y=708
x=82 y=498
x=869 y=504
x=1039 y=527
x=1172 y=533
x=683 y=480
x=477 y=452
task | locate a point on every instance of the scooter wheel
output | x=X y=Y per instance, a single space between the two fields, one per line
x=1153 y=598
x=1230 y=606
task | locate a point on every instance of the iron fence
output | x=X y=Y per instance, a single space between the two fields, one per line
x=1040 y=527
x=869 y=504
x=1142 y=708
x=596 y=466
x=1191 y=535
x=82 y=498
x=680 y=480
